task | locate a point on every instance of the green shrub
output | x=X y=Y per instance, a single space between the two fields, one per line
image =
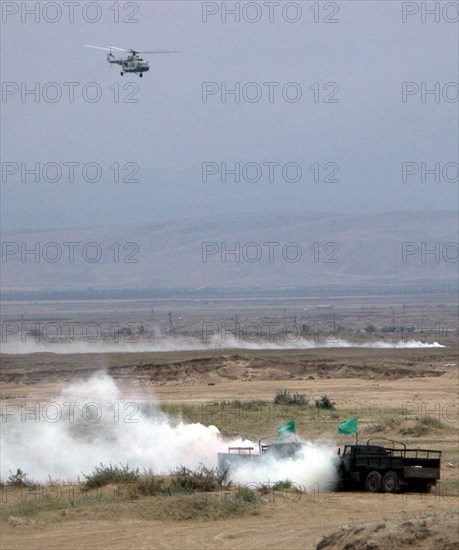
x=202 y=479
x=431 y=422
x=19 y=479
x=325 y=403
x=149 y=484
x=280 y=485
x=284 y=397
x=104 y=475
x=246 y=495
x=264 y=489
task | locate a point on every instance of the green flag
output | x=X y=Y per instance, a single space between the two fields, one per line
x=348 y=426
x=286 y=430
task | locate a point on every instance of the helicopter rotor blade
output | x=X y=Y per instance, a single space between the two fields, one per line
x=98 y=47
x=107 y=49
x=133 y=52
x=159 y=51
x=120 y=49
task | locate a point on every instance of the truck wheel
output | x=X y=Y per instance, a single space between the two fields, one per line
x=390 y=483
x=373 y=482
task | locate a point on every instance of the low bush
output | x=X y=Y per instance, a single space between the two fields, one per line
x=202 y=479
x=431 y=422
x=325 y=403
x=284 y=397
x=246 y=495
x=149 y=484
x=104 y=475
x=19 y=479
x=280 y=485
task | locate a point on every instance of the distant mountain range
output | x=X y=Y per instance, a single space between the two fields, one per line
x=239 y=252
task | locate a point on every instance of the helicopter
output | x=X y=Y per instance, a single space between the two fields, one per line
x=132 y=63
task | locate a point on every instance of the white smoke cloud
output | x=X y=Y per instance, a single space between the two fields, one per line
x=92 y=422
x=179 y=343
x=410 y=344
x=311 y=469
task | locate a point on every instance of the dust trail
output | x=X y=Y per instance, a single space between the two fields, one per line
x=92 y=422
x=181 y=343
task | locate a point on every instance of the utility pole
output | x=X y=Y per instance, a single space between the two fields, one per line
x=171 y=324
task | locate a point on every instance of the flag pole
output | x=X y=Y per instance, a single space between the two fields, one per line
x=356 y=438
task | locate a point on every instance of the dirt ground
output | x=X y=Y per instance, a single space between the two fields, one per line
x=281 y=525
x=357 y=379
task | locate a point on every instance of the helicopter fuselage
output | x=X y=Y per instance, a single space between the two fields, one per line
x=135 y=67
x=131 y=64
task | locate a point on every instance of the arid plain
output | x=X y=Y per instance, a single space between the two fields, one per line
x=406 y=393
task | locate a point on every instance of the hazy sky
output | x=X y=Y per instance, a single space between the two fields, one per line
x=361 y=61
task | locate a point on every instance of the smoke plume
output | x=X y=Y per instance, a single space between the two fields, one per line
x=92 y=422
x=181 y=343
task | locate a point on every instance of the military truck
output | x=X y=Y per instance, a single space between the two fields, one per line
x=389 y=467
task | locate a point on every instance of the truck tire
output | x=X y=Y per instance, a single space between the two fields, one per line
x=373 y=482
x=390 y=483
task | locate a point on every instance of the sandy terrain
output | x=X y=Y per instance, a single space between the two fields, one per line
x=365 y=380
x=281 y=525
